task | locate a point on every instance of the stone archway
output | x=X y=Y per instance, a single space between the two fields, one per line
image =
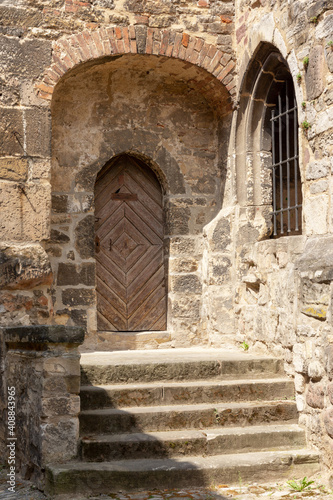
x=89 y=46
x=175 y=116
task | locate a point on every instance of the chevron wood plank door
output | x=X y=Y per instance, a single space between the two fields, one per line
x=129 y=231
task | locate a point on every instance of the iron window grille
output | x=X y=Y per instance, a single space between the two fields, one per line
x=286 y=182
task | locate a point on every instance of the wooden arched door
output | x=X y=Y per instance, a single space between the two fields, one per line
x=129 y=232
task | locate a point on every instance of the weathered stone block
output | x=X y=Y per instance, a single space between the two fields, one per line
x=60 y=406
x=221 y=237
x=204 y=185
x=182 y=246
x=299 y=359
x=319 y=187
x=13 y=169
x=141 y=35
x=315 y=213
x=219 y=270
x=299 y=382
x=315 y=298
x=59 y=203
x=316 y=171
x=54 y=385
x=78 y=297
x=40 y=169
x=178 y=220
x=314 y=76
x=319 y=7
x=329 y=361
x=59 y=440
x=9 y=90
x=330 y=392
x=84 y=237
x=186 y=283
x=11 y=132
x=328 y=421
x=23 y=266
x=79 y=317
x=325 y=28
x=24 y=211
x=183 y=265
x=48 y=334
x=315 y=311
x=187 y=307
x=71 y=274
x=315 y=396
x=317 y=255
x=58 y=237
x=28 y=58
x=38 y=132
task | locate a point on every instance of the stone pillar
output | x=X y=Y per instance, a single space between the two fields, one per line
x=42 y=364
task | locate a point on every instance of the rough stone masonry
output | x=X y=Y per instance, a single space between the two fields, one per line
x=170 y=83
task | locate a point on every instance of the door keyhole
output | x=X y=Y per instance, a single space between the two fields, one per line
x=97 y=244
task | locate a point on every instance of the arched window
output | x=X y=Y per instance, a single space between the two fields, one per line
x=286 y=182
x=268 y=175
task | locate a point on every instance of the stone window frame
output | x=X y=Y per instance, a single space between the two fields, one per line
x=253 y=182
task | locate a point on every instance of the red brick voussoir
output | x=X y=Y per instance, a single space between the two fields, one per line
x=70 y=51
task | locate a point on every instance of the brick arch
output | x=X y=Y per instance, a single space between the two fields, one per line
x=71 y=51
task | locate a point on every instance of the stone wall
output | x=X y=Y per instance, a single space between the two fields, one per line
x=41 y=366
x=180 y=62
x=188 y=63
x=283 y=287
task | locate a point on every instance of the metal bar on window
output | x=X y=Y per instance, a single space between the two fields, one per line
x=296 y=164
x=284 y=113
x=286 y=209
x=280 y=163
x=288 y=156
x=283 y=161
x=273 y=173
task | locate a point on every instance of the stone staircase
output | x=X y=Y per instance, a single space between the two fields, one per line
x=183 y=418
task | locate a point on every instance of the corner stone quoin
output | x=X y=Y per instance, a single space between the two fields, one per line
x=73 y=50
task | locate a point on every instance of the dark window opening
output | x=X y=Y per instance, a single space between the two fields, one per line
x=286 y=181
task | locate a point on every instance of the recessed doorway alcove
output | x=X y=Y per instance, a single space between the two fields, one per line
x=156 y=114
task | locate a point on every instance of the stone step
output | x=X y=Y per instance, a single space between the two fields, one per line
x=177 y=417
x=74 y=479
x=174 y=365
x=192 y=442
x=173 y=393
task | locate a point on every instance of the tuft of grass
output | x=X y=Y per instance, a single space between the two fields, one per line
x=303 y=105
x=306 y=62
x=240 y=481
x=245 y=346
x=305 y=125
x=299 y=77
x=299 y=485
x=313 y=20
